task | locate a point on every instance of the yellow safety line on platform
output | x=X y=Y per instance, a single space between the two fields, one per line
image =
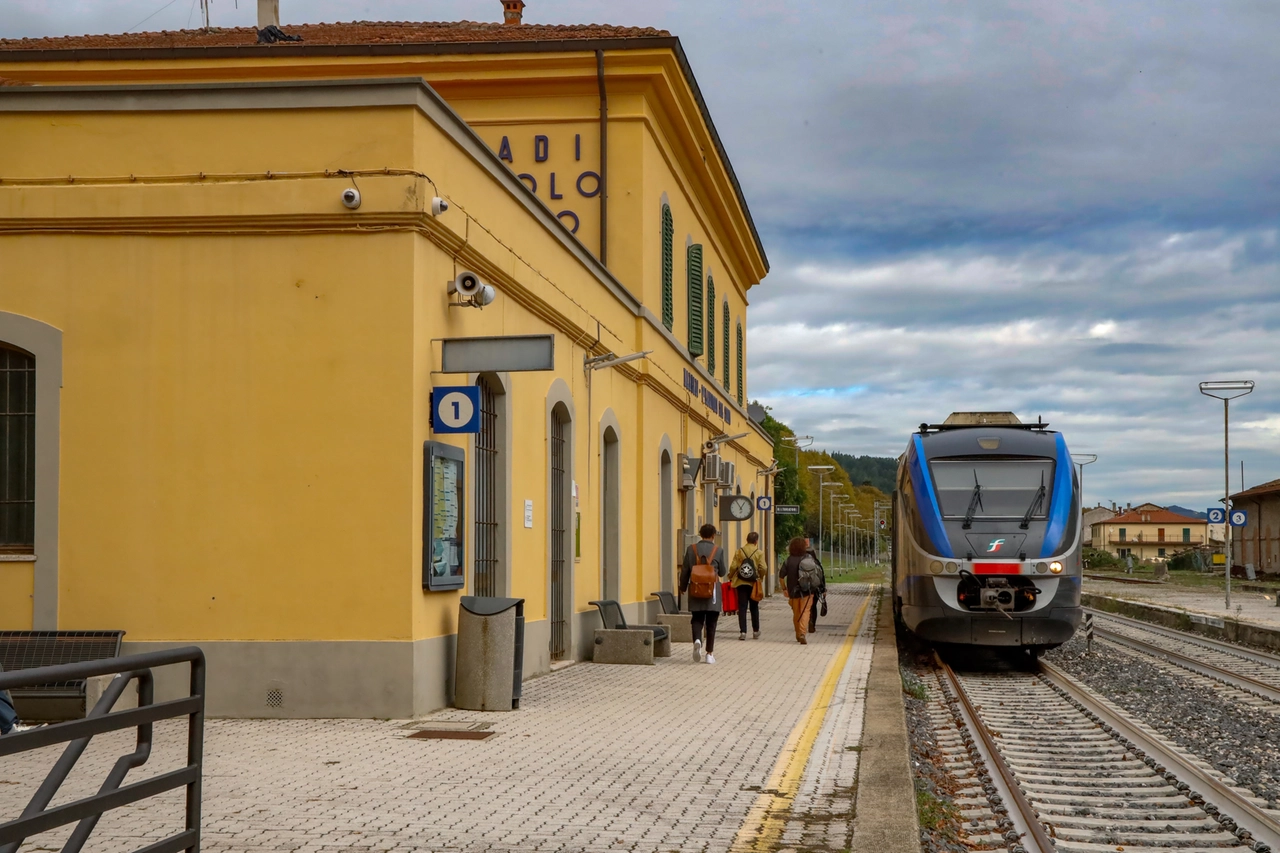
x=766 y=820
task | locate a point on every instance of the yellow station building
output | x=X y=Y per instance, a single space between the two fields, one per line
x=219 y=373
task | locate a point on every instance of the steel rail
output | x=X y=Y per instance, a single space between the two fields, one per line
x=1235 y=679
x=1207 y=642
x=1263 y=826
x=1024 y=816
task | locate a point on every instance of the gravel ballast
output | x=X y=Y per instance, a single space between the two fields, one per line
x=1240 y=741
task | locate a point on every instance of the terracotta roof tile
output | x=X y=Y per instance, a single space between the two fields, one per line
x=1155 y=516
x=1266 y=488
x=351 y=33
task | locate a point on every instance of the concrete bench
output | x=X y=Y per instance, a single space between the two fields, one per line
x=63 y=700
x=618 y=642
x=679 y=624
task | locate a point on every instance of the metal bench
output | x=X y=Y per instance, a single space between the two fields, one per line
x=668 y=601
x=677 y=622
x=58 y=700
x=618 y=642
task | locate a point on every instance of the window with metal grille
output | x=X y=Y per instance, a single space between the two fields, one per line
x=694 y=264
x=485 y=581
x=559 y=534
x=726 y=344
x=739 y=364
x=17 y=450
x=668 y=268
x=711 y=325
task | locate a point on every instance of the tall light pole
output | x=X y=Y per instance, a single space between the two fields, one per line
x=852 y=515
x=1226 y=391
x=822 y=495
x=1081 y=460
x=875 y=526
x=822 y=472
x=834 y=502
x=796 y=441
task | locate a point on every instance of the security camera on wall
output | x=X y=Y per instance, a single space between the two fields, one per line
x=471 y=291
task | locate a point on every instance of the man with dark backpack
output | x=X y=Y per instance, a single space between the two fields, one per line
x=700 y=575
x=746 y=576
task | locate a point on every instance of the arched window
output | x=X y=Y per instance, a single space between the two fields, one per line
x=668 y=298
x=739 y=364
x=694 y=265
x=726 y=344
x=17 y=450
x=711 y=325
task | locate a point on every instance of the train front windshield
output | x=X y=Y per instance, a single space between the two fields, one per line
x=987 y=488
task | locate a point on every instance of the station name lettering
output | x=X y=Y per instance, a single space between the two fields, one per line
x=710 y=400
x=587 y=184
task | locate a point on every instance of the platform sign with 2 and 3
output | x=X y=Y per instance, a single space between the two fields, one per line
x=455 y=409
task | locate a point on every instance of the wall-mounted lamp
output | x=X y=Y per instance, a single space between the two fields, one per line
x=611 y=360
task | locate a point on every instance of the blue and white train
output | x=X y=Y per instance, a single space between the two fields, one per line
x=986 y=534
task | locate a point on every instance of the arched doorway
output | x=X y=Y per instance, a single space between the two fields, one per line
x=611 y=515
x=560 y=529
x=666 y=490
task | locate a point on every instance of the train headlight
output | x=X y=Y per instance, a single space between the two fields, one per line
x=1042 y=567
x=952 y=568
x=1055 y=567
x=935 y=566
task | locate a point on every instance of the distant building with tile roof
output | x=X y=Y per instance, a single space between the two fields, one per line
x=1258 y=542
x=1149 y=532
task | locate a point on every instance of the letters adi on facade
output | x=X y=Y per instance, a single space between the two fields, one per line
x=245 y=362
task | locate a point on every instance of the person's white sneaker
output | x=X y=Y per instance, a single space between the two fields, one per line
x=697 y=651
x=756 y=635
x=742 y=636
x=711 y=658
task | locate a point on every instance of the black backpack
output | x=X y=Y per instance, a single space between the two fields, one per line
x=747 y=570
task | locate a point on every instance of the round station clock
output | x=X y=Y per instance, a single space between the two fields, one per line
x=740 y=507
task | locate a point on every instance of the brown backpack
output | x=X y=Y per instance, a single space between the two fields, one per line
x=703 y=579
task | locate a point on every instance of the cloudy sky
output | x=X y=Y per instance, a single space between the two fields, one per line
x=1066 y=208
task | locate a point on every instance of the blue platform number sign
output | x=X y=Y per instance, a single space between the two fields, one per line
x=1239 y=518
x=455 y=409
x=1217 y=515
x=764 y=504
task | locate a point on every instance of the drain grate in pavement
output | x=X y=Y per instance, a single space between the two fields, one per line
x=450 y=734
x=449 y=730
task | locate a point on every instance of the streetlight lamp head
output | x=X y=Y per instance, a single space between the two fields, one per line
x=821 y=467
x=1227 y=389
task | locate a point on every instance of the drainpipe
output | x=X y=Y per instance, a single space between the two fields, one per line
x=604 y=160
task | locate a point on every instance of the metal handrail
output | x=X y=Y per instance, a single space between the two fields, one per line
x=37 y=817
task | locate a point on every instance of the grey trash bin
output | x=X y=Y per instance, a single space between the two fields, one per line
x=489 y=664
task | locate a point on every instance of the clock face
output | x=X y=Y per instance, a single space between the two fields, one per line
x=740 y=507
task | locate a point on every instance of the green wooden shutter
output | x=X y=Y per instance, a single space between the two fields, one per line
x=711 y=325
x=726 y=345
x=739 y=364
x=695 y=299
x=668 y=263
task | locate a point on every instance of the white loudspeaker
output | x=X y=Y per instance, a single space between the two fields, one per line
x=466 y=284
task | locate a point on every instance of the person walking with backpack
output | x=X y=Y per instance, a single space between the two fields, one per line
x=819 y=606
x=801 y=575
x=700 y=575
x=746 y=572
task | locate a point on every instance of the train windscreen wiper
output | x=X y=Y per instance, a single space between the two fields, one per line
x=1035 y=504
x=975 y=501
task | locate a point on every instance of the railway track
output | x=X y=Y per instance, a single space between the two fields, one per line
x=1255 y=672
x=1061 y=769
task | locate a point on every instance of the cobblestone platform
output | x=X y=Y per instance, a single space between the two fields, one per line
x=756 y=752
